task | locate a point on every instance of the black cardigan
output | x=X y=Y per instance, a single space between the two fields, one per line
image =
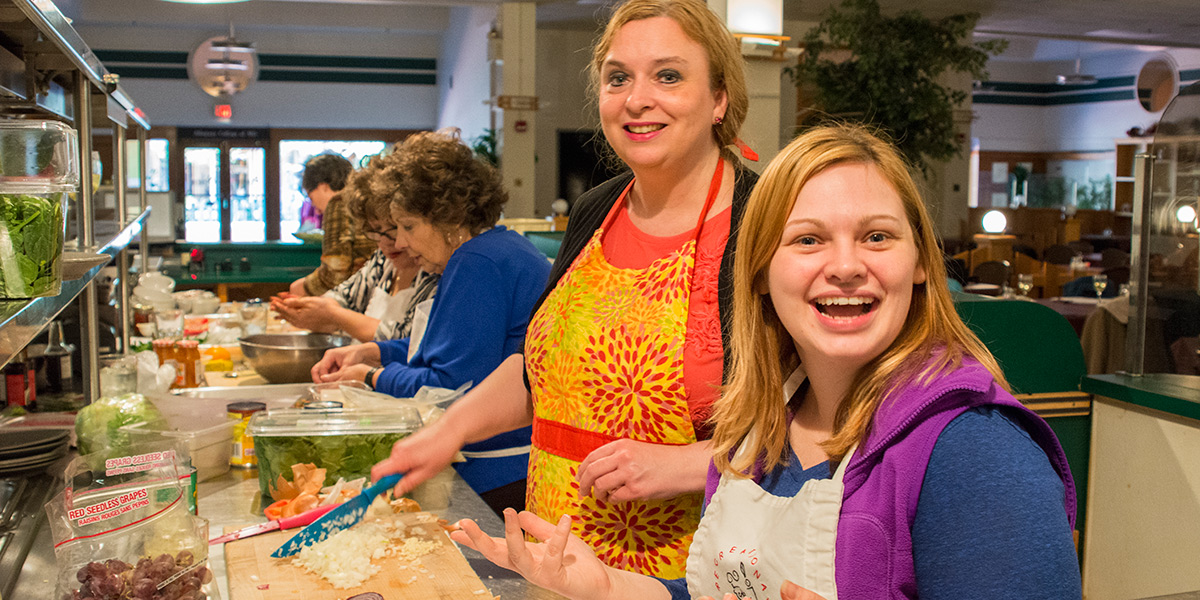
x=587 y=215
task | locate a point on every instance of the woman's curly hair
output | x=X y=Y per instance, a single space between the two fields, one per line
x=434 y=175
x=364 y=204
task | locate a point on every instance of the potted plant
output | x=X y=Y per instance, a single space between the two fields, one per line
x=861 y=65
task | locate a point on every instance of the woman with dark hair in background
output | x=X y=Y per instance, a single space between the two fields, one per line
x=377 y=302
x=343 y=248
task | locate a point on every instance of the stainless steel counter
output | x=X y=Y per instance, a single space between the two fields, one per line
x=233 y=499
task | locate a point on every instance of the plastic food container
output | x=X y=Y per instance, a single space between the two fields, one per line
x=346 y=443
x=209 y=444
x=32 y=226
x=39 y=166
x=38 y=153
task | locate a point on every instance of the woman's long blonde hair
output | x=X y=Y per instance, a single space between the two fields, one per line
x=752 y=411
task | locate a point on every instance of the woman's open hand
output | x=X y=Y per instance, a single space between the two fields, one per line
x=625 y=470
x=559 y=562
x=336 y=359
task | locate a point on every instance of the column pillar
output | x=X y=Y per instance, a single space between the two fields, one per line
x=518 y=127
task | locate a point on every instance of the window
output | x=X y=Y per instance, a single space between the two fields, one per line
x=292 y=154
x=157 y=166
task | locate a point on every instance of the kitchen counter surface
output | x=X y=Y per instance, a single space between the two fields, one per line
x=232 y=500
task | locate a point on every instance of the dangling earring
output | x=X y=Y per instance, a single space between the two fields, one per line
x=718 y=120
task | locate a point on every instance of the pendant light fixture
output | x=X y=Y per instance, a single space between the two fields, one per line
x=223 y=66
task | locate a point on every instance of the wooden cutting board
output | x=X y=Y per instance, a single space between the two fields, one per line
x=442 y=574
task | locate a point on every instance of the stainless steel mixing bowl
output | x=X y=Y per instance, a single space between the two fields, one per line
x=288 y=357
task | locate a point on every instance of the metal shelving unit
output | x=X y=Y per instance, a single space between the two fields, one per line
x=47 y=71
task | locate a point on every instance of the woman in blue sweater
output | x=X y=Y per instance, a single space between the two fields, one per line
x=445 y=204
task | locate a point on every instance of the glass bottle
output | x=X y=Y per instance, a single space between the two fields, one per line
x=58 y=359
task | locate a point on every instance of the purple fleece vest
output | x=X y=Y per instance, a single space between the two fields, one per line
x=883 y=480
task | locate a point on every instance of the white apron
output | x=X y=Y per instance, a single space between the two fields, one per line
x=750 y=541
x=388 y=307
x=417 y=332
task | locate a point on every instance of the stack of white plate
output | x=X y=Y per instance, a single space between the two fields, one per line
x=28 y=449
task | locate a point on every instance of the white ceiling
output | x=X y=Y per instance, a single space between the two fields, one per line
x=1037 y=30
x=1157 y=23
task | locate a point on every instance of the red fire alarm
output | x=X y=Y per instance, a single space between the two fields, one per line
x=520 y=126
x=223 y=112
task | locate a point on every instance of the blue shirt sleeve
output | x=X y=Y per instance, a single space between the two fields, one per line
x=990 y=520
x=393 y=351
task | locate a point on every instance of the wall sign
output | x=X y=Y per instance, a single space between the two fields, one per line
x=225 y=133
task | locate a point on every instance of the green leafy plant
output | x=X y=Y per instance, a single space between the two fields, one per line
x=31 y=231
x=485 y=147
x=890 y=77
x=1096 y=195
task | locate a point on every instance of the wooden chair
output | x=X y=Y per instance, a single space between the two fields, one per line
x=1059 y=254
x=995 y=272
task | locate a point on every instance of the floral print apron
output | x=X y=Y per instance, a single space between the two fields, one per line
x=604 y=355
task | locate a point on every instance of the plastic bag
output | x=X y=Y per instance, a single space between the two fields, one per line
x=153 y=378
x=98 y=425
x=122 y=530
x=430 y=402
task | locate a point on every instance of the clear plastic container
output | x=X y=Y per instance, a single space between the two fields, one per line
x=38 y=154
x=346 y=443
x=208 y=442
x=32 y=227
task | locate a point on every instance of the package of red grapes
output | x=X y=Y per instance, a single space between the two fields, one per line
x=122 y=529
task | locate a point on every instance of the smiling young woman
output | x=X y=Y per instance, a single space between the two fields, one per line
x=866 y=446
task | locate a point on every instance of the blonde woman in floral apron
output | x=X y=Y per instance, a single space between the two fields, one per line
x=867 y=446
x=624 y=354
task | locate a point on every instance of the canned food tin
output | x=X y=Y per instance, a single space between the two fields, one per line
x=243 y=443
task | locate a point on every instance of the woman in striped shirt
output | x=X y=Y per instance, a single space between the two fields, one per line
x=379 y=301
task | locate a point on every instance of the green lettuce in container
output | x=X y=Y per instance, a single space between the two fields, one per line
x=31 y=243
x=346 y=443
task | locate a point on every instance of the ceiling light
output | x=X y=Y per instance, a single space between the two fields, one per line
x=206 y=1
x=226 y=64
x=232 y=46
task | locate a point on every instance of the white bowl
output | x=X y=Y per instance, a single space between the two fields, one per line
x=151 y=295
x=157 y=281
x=205 y=305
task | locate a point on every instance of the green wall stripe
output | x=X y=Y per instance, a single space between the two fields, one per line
x=346 y=62
x=346 y=77
x=1058 y=100
x=150 y=72
x=142 y=56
